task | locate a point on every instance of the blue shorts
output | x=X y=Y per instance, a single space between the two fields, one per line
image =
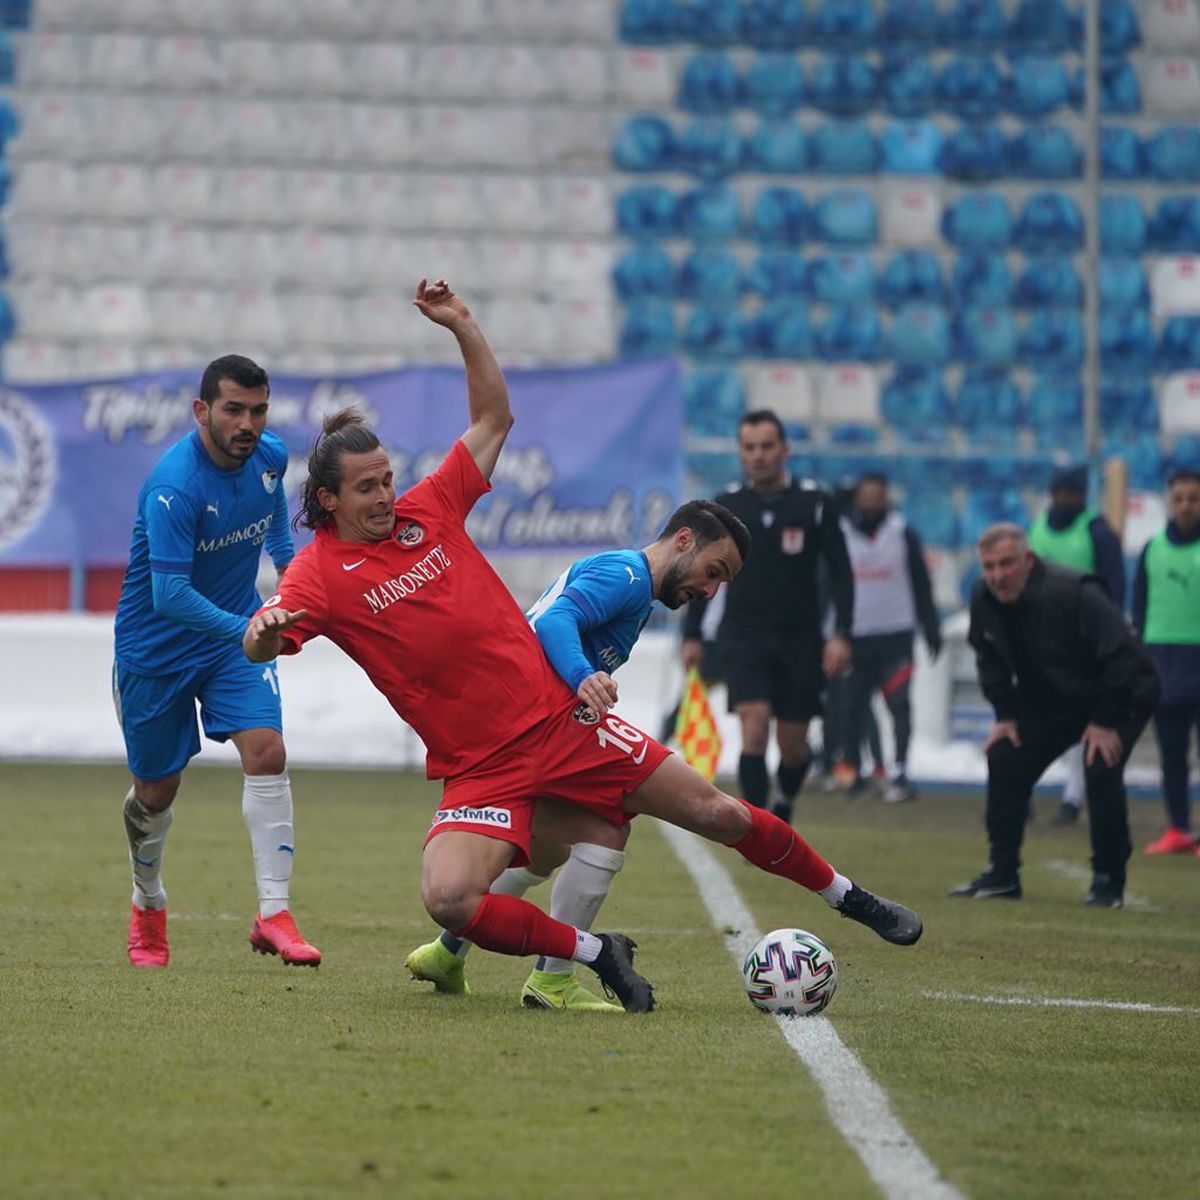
x=157 y=713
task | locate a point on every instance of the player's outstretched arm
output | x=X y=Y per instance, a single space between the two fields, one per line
x=487 y=393
x=262 y=641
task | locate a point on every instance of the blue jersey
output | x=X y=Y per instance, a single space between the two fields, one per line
x=202 y=525
x=590 y=617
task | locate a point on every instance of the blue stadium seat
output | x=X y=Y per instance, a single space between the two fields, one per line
x=1120 y=91
x=709 y=273
x=714 y=400
x=1050 y=282
x=1038 y=85
x=974 y=25
x=778 y=273
x=853 y=435
x=648 y=330
x=1055 y=408
x=912 y=275
x=842 y=24
x=982 y=278
x=909 y=23
x=776 y=146
x=709 y=214
x=649 y=22
x=779 y=217
x=987 y=506
x=1045 y=25
x=1175 y=226
x=907 y=83
x=1179 y=345
x=1141 y=452
x=844 y=278
x=911 y=146
x=712 y=472
x=773 y=84
x=1173 y=154
x=1119 y=30
x=1050 y=223
x=1121 y=153
x=1123 y=225
x=713 y=333
x=1121 y=282
x=1127 y=340
x=978 y=221
x=644 y=143
x=780 y=329
x=846 y=217
x=1052 y=340
x=843 y=147
x=975 y=152
x=710 y=148
x=970 y=86
x=648 y=211
x=850 y=333
x=914 y=403
x=1185 y=453
x=645 y=270
x=709 y=84
x=920 y=336
x=843 y=84
x=774 y=24
x=992 y=472
x=934 y=518
x=1127 y=404
x=711 y=22
x=988 y=405
x=985 y=335
x=1045 y=151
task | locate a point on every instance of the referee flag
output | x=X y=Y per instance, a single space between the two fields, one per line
x=696 y=728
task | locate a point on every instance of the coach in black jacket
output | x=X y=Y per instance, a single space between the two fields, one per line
x=1058 y=664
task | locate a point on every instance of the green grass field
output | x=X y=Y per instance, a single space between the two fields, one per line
x=230 y=1075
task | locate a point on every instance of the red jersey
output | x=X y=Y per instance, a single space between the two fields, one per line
x=433 y=626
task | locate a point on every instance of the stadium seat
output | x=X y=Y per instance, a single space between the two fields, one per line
x=844 y=278
x=710 y=213
x=844 y=85
x=989 y=506
x=773 y=84
x=377 y=198
x=911 y=146
x=1045 y=151
x=1050 y=222
x=1172 y=25
x=1049 y=282
x=649 y=22
x=36 y=360
x=986 y=336
x=317 y=131
x=845 y=217
x=567 y=139
x=586 y=331
x=260 y=254
x=907 y=84
x=644 y=270
x=1175 y=225
x=376 y=316
x=383 y=257
x=115 y=310
x=52 y=59
x=915 y=405
x=197 y=123
x=1127 y=403
x=1050 y=25
x=988 y=405
x=513 y=203
x=710 y=148
x=912 y=275
x=255 y=314
x=42 y=246
x=115 y=60
x=188 y=63
x=255 y=129
x=184 y=191
x=49 y=187
x=1181 y=403
x=256 y=65
x=975 y=153
x=189 y=314
x=779 y=217
x=580 y=204
x=316 y=257
x=647 y=330
x=709 y=473
x=49 y=309
x=1173 y=154
x=713 y=333
x=912 y=214
x=1119 y=29
x=317 y=196
x=848 y=394
x=1123 y=225
x=1172 y=85
x=974 y=25
x=979 y=221
x=920 y=336
x=1038 y=85
x=518 y=74
x=1121 y=153
x=843 y=24
x=842 y=147
x=648 y=211
x=909 y=23
x=106 y=360
x=385 y=70
x=784 y=388
x=181 y=253
x=1052 y=340
x=709 y=84
x=1120 y=90
x=970 y=86
x=644 y=77
x=937 y=524
x=1126 y=340
x=457 y=19
x=780 y=329
x=118 y=190
x=850 y=333
x=774 y=24
x=709 y=273
x=253 y=194
x=1121 y=283
x=1175 y=286
x=1179 y=344
x=714 y=400
x=1141 y=452
x=581 y=74
x=777 y=273
x=451 y=202
x=982 y=278
x=53 y=124
x=775 y=146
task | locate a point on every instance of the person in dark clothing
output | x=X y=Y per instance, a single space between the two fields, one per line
x=1073 y=535
x=773 y=656
x=1059 y=665
x=892 y=594
x=1166 y=612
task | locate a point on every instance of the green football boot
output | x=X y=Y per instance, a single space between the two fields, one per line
x=437 y=965
x=544 y=989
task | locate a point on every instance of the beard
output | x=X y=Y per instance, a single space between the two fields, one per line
x=241 y=446
x=673 y=593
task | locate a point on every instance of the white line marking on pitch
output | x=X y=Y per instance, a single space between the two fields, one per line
x=1080 y=874
x=1062 y=1002
x=857 y=1105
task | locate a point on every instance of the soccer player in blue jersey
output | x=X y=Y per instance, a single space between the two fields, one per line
x=588 y=621
x=210 y=506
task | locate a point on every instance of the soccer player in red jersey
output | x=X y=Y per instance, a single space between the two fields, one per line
x=402 y=589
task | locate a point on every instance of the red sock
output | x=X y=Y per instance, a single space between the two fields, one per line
x=774 y=846
x=509 y=925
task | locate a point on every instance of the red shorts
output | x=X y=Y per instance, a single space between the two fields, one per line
x=574 y=756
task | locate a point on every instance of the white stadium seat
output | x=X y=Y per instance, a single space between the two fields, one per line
x=52 y=123
x=193 y=127
x=117 y=60
x=519 y=73
x=586 y=330
x=259 y=253
x=520 y=19
x=458 y=18
x=1180 y=404
x=346 y=19
x=449 y=202
x=848 y=394
x=118 y=189
x=182 y=253
x=169 y=356
x=63 y=14
x=314 y=196
x=318 y=131
x=520 y=326
x=116 y=310
x=379 y=198
x=125 y=126
x=306 y=362
x=451 y=71
x=512 y=264
x=644 y=76
x=580 y=204
x=1175 y=285
x=785 y=388
x=451 y=258
x=36 y=360
x=255 y=66
x=381 y=320
x=1172 y=25
x=581 y=268
x=1171 y=85
x=110 y=251
x=189 y=314
x=381 y=257
x=264 y=17
x=381 y=134
x=386 y=70
x=399 y=19
x=47 y=308
x=184 y=190
x=316 y=257
x=316 y=68
x=251 y=194
x=48 y=187
x=38 y=246
x=581 y=74
x=317 y=318
x=912 y=215
x=573 y=139
x=185 y=63
x=106 y=360
x=581 y=20
x=256 y=130
x=513 y=203
x=256 y=315
x=51 y=59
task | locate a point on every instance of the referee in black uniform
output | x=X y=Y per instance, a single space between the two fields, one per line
x=773 y=657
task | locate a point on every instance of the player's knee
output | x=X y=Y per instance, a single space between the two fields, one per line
x=451 y=903
x=267 y=757
x=721 y=818
x=158 y=795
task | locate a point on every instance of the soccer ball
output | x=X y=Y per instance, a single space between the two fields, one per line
x=790 y=972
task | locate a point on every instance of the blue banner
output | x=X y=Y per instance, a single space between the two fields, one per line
x=594 y=461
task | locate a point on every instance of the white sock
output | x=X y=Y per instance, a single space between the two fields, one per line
x=581 y=887
x=515 y=881
x=588 y=946
x=832 y=895
x=147 y=834
x=267 y=811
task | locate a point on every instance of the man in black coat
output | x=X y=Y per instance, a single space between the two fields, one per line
x=1058 y=664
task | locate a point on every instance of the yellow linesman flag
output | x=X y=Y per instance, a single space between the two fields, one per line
x=696 y=728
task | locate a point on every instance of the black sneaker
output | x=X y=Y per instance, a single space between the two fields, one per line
x=893 y=922
x=989 y=885
x=1107 y=892
x=614 y=966
x=783 y=810
x=1068 y=814
x=899 y=791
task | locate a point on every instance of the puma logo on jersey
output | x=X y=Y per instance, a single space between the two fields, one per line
x=351 y=566
x=632 y=576
x=213 y=508
x=165 y=501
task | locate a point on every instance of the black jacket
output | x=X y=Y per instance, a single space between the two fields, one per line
x=1079 y=640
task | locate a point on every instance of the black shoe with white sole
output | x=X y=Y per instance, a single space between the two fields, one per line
x=893 y=922
x=990 y=885
x=615 y=969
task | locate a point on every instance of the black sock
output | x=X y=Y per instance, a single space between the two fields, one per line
x=791 y=779
x=752 y=774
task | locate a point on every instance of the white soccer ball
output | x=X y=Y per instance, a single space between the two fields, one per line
x=790 y=972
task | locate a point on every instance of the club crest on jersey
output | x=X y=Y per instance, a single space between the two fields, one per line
x=270 y=480
x=585 y=714
x=793 y=540
x=410 y=534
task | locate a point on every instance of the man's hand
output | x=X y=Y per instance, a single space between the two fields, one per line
x=598 y=691
x=261 y=640
x=1098 y=740
x=437 y=302
x=1000 y=731
x=692 y=653
x=835 y=658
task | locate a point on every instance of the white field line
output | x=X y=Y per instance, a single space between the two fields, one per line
x=1062 y=1002
x=857 y=1105
x=1080 y=874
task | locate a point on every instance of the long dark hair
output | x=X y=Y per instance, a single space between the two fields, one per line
x=345 y=432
